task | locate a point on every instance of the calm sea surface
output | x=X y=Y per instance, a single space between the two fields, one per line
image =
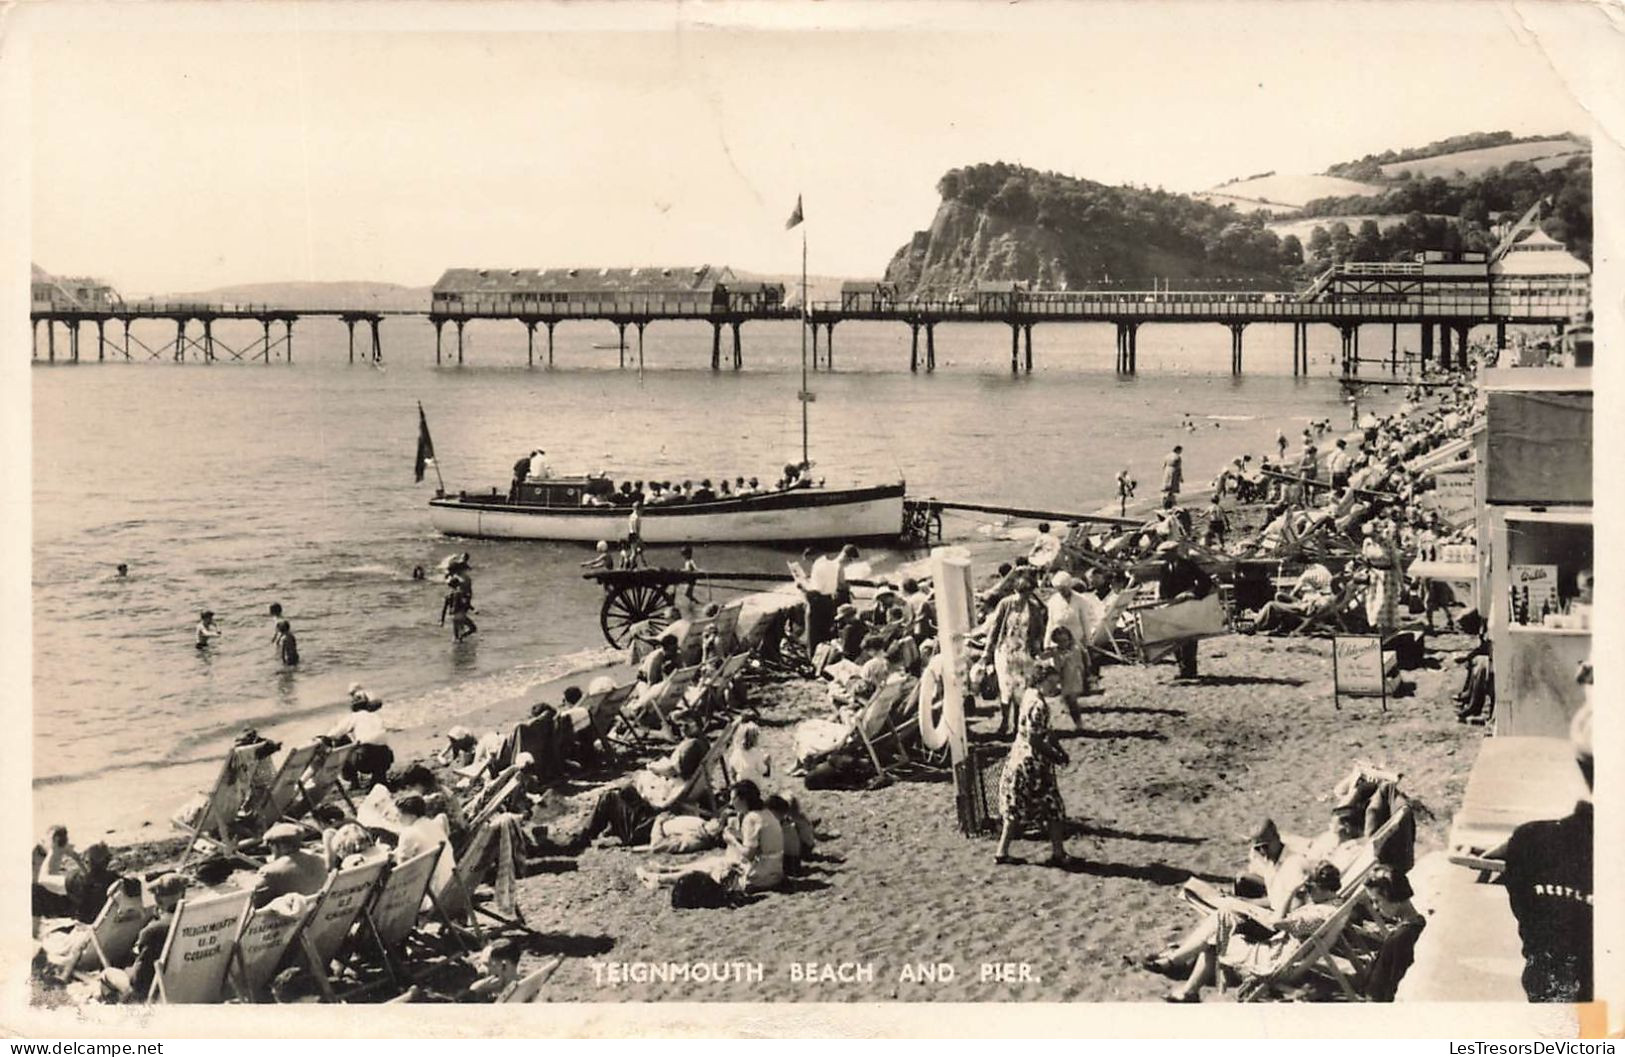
x=233 y=486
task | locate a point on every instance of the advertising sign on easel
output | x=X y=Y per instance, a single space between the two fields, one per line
x=1359 y=668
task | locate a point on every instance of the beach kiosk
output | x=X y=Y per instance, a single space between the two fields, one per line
x=1535 y=542
x=1535 y=467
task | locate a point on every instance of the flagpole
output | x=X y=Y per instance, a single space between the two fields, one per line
x=806 y=318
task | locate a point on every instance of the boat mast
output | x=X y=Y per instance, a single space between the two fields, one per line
x=806 y=319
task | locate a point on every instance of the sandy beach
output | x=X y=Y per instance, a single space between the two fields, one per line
x=1166 y=782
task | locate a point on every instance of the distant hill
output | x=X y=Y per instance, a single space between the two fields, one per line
x=1544 y=154
x=329 y=295
x=1303 y=227
x=1438 y=155
x=1283 y=193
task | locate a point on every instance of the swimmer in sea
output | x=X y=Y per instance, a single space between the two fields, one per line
x=417 y=572
x=207 y=629
x=288 y=645
x=276 y=625
x=123 y=570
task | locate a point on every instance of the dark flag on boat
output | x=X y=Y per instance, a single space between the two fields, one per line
x=425 y=445
x=795 y=218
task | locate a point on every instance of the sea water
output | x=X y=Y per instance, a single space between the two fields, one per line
x=232 y=486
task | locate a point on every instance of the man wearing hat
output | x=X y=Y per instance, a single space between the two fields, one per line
x=1274 y=873
x=1548 y=880
x=1182 y=580
x=290 y=868
x=167 y=893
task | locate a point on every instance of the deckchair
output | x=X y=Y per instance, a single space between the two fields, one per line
x=604 y=712
x=1312 y=955
x=1162 y=628
x=874 y=726
x=714 y=757
x=479 y=808
x=728 y=643
x=529 y=987
x=325 y=775
x=339 y=907
x=1371 y=852
x=192 y=967
x=113 y=934
x=213 y=825
x=1333 y=613
x=717 y=684
x=276 y=798
x=491 y=847
x=266 y=937
x=1103 y=639
x=690 y=648
x=667 y=695
x=392 y=916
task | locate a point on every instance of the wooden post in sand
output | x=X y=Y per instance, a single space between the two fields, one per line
x=951 y=571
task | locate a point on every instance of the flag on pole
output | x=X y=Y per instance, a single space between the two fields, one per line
x=795 y=218
x=425 y=446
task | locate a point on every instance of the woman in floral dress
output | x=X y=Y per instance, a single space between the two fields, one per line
x=1384 y=581
x=1028 y=793
x=1013 y=640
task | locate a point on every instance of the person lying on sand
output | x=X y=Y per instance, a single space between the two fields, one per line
x=753 y=859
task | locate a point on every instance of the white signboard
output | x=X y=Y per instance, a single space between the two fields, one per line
x=1359 y=666
x=1454 y=496
x=1534 y=587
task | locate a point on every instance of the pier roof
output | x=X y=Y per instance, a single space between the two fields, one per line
x=572 y=280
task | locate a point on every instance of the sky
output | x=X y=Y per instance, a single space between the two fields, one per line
x=179 y=148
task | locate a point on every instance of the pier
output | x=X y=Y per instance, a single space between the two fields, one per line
x=194 y=338
x=1442 y=299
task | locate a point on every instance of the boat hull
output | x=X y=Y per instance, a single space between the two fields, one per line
x=803 y=515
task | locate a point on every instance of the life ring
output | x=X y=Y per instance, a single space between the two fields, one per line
x=933 y=733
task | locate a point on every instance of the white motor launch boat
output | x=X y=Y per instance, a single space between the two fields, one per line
x=578 y=508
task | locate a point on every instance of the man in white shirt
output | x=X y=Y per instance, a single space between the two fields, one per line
x=1338 y=464
x=373 y=756
x=826 y=588
x=538 y=466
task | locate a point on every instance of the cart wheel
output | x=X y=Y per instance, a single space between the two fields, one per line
x=633 y=604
